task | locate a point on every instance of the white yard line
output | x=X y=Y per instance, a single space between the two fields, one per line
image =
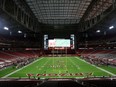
x=98 y=67
x=44 y=64
x=21 y=68
x=74 y=64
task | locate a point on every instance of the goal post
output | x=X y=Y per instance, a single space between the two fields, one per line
x=59 y=51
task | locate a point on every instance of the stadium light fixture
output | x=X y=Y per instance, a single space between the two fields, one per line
x=25 y=35
x=19 y=31
x=6 y=28
x=98 y=31
x=111 y=27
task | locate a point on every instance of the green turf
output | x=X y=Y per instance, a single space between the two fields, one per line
x=7 y=71
x=60 y=65
x=109 y=68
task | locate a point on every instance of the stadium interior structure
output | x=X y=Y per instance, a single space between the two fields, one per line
x=57 y=43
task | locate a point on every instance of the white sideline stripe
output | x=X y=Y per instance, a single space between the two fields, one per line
x=74 y=64
x=98 y=67
x=21 y=68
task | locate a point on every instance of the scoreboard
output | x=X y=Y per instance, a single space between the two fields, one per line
x=59 y=42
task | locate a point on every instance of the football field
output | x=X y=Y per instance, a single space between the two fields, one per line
x=60 y=67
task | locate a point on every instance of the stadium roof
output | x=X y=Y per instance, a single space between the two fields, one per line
x=58 y=11
x=54 y=16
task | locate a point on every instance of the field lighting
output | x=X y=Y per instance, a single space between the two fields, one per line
x=111 y=27
x=6 y=28
x=98 y=31
x=19 y=31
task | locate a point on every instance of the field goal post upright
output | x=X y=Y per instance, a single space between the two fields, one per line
x=66 y=57
x=66 y=51
x=53 y=51
x=57 y=51
x=53 y=55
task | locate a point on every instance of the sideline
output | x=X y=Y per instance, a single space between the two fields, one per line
x=97 y=67
x=21 y=68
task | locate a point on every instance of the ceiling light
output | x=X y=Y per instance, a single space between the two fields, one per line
x=111 y=27
x=25 y=35
x=6 y=28
x=98 y=31
x=19 y=31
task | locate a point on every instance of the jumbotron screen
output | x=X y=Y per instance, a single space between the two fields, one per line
x=59 y=43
